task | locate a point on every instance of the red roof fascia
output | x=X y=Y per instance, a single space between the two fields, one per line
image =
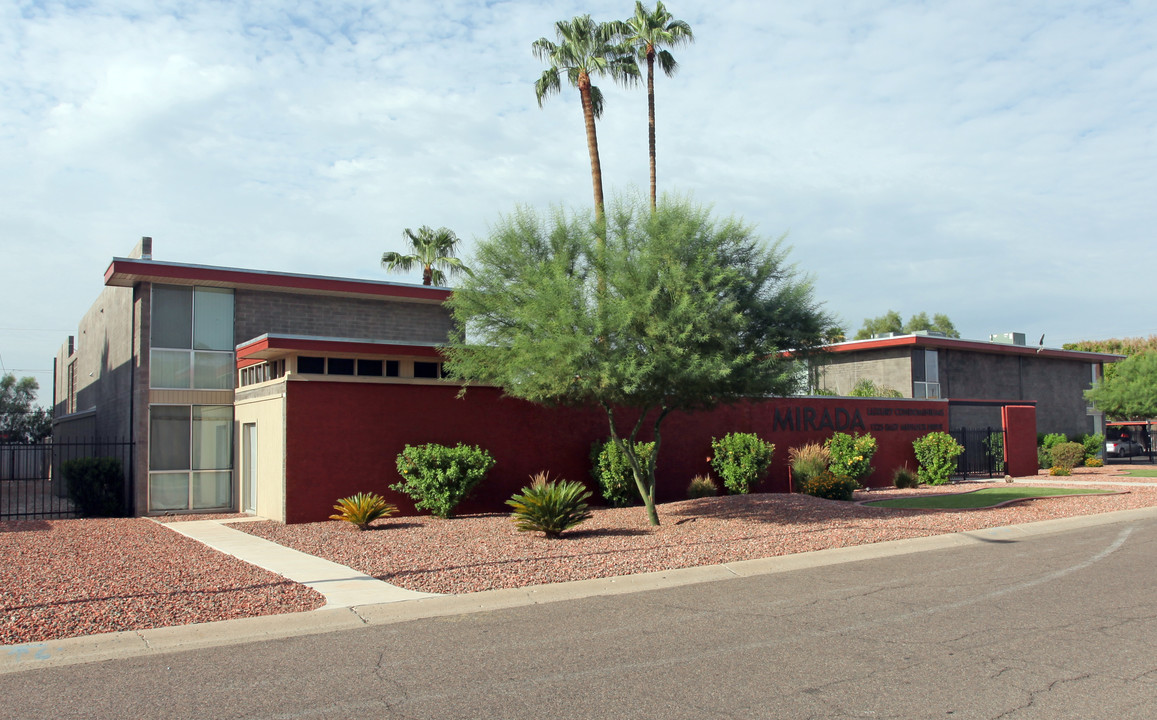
x=320 y=345
x=126 y=272
x=972 y=345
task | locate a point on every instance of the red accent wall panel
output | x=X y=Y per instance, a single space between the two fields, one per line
x=343 y=438
x=1020 y=457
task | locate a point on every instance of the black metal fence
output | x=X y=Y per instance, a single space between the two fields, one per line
x=32 y=484
x=983 y=454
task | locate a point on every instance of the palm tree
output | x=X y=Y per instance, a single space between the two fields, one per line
x=584 y=49
x=648 y=33
x=433 y=249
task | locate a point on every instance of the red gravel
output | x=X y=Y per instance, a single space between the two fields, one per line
x=482 y=552
x=62 y=578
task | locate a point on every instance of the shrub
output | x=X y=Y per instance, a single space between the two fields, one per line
x=904 y=478
x=362 y=509
x=549 y=507
x=1094 y=446
x=1068 y=454
x=936 y=452
x=741 y=459
x=868 y=389
x=1044 y=458
x=808 y=461
x=702 y=486
x=95 y=486
x=612 y=471
x=438 y=477
x=1060 y=470
x=1094 y=462
x=829 y=486
x=1045 y=448
x=851 y=454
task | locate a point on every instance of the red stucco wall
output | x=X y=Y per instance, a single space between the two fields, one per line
x=343 y=438
x=1020 y=457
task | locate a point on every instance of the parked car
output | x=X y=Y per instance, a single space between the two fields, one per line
x=1122 y=446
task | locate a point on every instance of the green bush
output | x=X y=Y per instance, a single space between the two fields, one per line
x=611 y=470
x=741 y=460
x=1094 y=462
x=549 y=507
x=1060 y=470
x=438 y=477
x=1068 y=454
x=1045 y=448
x=936 y=452
x=904 y=478
x=1044 y=458
x=362 y=509
x=702 y=486
x=851 y=454
x=95 y=486
x=1094 y=446
x=829 y=486
x=808 y=461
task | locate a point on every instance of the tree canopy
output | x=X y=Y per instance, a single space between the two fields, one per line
x=19 y=420
x=434 y=251
x=891 y=321
x=1131 y=392
x=678 y=311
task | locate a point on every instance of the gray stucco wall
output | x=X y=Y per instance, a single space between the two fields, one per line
x=257 y=313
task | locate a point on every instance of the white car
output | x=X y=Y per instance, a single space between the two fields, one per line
x=1122 y=447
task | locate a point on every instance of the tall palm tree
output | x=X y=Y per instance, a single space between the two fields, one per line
x=433 y=250
x=584 y=49
x=649 y=33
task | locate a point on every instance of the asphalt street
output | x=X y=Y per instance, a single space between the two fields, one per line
x=1047 y=626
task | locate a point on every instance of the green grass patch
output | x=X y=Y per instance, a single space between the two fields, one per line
x=981 y=498
x=1142 y=473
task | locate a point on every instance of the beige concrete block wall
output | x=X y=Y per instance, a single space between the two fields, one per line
x=891 y=367
x=264 y=406
x=259 y=312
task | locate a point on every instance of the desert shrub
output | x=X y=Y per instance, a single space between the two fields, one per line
x=438 y=477
x=936 y=452
x=867 y=388
x=611 y=469
x=549 y=507
x=1094 y=445
x=95 y=485
x=1060 y=470
x=1045 y=448
x=829 y=486
x=808 y=461
x=741 y=460
x=702 y=486
x=851 y=454
x=904 y=478
x=1068 y=454
x=362 y=509
x=1094 y=462
x=1044 y=458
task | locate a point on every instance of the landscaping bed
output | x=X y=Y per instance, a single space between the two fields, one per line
x=62 y=578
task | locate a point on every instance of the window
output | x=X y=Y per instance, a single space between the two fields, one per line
x=339 y=366
x=393 y=368
x=311 y=365
x=926 y=374
x=190 y=457
x=370 y=368
x=427 y=369
x=191 y=338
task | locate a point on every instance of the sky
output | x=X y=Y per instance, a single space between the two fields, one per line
x=993 y=161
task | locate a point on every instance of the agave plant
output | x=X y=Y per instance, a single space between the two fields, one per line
x=362 y=509
x=550 y=507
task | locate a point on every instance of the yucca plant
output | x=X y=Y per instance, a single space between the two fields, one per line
x=362 y=509
x=549 y=507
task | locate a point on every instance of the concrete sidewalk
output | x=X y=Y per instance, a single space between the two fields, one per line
x=343 y=587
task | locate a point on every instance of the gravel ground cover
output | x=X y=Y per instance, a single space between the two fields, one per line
x=481 y=552
x=63 y=578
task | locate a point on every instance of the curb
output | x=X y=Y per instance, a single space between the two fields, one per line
x=159 y=641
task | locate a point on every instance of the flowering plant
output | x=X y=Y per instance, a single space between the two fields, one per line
x=851 y=454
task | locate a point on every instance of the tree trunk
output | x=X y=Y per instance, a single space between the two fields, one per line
x=427 y=275
x=651 y=117
x=592 y=142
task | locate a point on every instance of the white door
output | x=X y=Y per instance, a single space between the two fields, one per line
x=249 y=467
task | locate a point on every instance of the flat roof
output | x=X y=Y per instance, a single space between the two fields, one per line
x=274 y=345
x=981 y=346
x=127 y=272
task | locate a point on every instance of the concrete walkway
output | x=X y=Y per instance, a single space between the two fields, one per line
x=343 y=587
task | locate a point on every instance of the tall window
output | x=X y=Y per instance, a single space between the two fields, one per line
x=190 y=457
x=926 y=374
x=192 y=338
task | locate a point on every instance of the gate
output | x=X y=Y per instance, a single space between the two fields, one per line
x=32 y=484
x=983 y=454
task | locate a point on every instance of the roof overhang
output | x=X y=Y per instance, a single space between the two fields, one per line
x=128 y=272
x=980 y=346
x=271 y=346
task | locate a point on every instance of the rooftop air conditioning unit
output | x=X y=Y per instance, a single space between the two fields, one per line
x=1011 y=338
